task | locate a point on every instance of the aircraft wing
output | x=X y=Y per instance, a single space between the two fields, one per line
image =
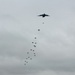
x=46 y=15
x=40 y=15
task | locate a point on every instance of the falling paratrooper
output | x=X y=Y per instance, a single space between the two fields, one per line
x=38 y=29
x=35 y=38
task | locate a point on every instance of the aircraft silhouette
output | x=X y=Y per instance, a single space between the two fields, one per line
x=43 y=15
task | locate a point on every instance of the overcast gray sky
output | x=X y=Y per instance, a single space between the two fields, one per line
x=55 y=42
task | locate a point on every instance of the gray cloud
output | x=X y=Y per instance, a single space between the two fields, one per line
x=55 y=42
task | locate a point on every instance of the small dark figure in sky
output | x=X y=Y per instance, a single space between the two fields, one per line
x=42 y=22
x=38 y=29
x=32 y=42
x=35 y=38
x=33 y=50
x=25 y=61
x=26 y=58
x=27 y=52
x=35 y=42
x=34 y=55
x=30 y=58
x=34 y=45
x=30 y=49
x=43 y=15
x=24 y=64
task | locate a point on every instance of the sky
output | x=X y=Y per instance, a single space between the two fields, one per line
x=19 y=23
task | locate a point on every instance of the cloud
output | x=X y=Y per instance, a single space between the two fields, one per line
x=55 y=42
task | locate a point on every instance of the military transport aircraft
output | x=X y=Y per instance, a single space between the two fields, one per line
x=43 y=15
